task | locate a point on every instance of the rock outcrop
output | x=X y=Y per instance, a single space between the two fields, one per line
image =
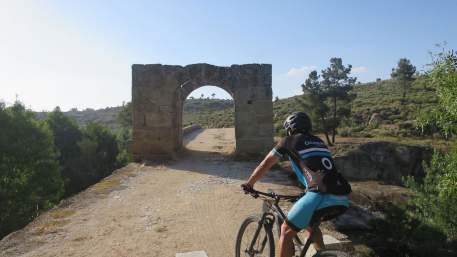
x=375 y=120
x=384 y=161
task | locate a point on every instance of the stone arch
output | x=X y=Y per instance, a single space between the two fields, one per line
x=158 y=93
x=182 y=93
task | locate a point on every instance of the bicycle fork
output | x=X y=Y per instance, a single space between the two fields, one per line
x=265 y=222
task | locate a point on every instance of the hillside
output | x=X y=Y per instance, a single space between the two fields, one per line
x=209 y=113
x=106 y=116
x=382 y=98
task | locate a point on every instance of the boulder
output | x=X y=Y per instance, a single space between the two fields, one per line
x=384 y=161
x=355 y=218
x=375 y=120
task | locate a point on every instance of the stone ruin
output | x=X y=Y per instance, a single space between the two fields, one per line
x=159 y=91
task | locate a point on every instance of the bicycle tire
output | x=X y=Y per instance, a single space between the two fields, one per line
x=331 y=253
x=253 y=220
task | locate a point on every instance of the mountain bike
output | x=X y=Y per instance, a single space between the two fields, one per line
x=255 y=236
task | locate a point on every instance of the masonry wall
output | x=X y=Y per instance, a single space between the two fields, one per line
x=158 y=92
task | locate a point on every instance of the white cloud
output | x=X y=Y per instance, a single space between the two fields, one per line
x=300 y=72
x=359 y=69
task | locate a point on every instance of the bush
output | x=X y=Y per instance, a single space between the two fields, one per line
x=66 y=137
x=345 y=132
x=99 y=152
x=124 y=139
x=29 y=171
x=401 y=233
x=435 y=201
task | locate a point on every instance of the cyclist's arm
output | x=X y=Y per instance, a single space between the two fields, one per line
x=270 y=160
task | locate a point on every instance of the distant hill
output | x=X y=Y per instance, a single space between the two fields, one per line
x=209 y=113
x=196 y=111
x=106 y=116
x=382 y=98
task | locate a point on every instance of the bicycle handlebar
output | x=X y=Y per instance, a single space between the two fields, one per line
x=255 y=193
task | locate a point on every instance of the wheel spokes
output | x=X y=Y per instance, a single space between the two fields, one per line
x=260 y=247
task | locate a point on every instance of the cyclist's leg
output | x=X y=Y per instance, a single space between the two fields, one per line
x=300 y=215
x=318 y=239
x=327 y=200
x=286 y=244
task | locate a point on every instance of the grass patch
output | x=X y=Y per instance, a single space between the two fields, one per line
x=51 y=226
x=80 y=239
x=106 y=185
x=128 y=173
x=160 y=229
x=62 y=213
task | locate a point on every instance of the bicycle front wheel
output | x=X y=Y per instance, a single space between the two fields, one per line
x=254 y=239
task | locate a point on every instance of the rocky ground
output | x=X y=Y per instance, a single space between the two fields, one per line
x=160 y=209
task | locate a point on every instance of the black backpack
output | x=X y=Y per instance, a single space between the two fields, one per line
x=336 y=184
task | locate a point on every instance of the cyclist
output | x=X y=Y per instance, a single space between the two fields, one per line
x=313 y=164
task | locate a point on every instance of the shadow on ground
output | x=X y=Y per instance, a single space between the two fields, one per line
x=224 y=166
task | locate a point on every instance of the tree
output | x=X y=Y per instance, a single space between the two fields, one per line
x=327 y=97
x=337 y=84
x=404 y=73
x=124 y=134
x=124 y=117
x=99 y=150
x=435 y=201
x=202 y=96
x=66 y=135
x=29 y=171
x=313 y=101
x=213 y=95
x=442 y=77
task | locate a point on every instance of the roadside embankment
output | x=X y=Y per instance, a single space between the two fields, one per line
x=189 y=129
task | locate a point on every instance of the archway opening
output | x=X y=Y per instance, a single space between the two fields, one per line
x=208 y=121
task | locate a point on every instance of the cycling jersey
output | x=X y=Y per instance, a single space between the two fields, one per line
x=312 y=162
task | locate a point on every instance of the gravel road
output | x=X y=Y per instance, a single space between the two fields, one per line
x=153 y=209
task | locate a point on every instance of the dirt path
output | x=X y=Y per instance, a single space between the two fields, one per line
x=211 y=140
x=153 y=210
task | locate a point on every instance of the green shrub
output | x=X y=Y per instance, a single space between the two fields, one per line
x=99 y=151
x=66 y=134
x=78 y=168
x=401 y=233
x=124 y=139
x=435 y=201
x=29 y=171
x=345 y=132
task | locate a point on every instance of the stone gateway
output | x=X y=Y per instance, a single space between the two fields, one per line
x=159 y=91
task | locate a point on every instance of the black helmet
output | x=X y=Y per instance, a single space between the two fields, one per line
x=297 y=122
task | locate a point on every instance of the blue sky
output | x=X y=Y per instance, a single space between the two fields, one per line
x=79 y=53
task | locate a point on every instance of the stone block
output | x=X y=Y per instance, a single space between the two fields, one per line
x=192 y=254
x=157 y=95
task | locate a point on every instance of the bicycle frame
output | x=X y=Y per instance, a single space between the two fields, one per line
x=272 y=213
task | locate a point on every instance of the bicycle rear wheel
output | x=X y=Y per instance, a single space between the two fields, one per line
x=250 y=243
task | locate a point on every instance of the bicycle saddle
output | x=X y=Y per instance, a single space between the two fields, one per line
x=328 y=213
